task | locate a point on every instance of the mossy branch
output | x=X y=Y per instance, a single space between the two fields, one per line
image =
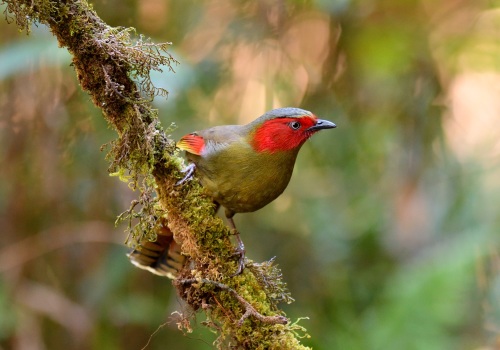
x=114 y=69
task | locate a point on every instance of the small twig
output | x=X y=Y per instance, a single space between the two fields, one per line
x=153 y=334
x=249 y=309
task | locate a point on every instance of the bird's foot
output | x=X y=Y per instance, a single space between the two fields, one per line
x=189 y=170
x=241 y=261
x=240 y=253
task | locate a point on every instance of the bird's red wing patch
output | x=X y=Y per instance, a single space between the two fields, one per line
x=192 y=143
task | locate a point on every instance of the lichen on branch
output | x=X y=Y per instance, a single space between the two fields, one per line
x=113 y=66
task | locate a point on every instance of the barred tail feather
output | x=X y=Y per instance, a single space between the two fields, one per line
x=162 y=257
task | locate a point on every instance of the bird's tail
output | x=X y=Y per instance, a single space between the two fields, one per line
x=162 y=257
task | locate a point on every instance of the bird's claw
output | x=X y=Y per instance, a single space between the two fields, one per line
x=240 y=252
x=188 y=170
x=241 y=261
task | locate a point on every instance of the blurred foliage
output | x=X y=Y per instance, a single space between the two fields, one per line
x=388 y=232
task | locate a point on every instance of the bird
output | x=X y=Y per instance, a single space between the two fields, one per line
x=245 y=167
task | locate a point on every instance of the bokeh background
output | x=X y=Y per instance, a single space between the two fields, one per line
x=388 y=234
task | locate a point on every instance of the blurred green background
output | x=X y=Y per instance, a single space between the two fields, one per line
x=388 y=232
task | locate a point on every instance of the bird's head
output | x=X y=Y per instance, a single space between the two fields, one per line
x=285 y=129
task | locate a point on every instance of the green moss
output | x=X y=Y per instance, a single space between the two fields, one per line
x=113 y=67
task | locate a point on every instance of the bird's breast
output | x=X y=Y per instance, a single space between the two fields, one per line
x=243 y=180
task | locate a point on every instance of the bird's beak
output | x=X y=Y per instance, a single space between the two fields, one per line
x=322 y=124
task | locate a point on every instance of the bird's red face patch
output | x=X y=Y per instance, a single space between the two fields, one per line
x=283 y=134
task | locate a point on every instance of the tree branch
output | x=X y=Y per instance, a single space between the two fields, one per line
x=249 y=309
x=114 y=71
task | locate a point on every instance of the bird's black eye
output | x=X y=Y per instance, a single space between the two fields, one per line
x=295 y=125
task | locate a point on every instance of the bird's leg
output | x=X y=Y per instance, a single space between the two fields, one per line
x=240 y=249
x=189 y=170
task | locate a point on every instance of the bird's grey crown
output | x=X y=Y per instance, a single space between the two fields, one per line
x=287 y=112
x=281 y=113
